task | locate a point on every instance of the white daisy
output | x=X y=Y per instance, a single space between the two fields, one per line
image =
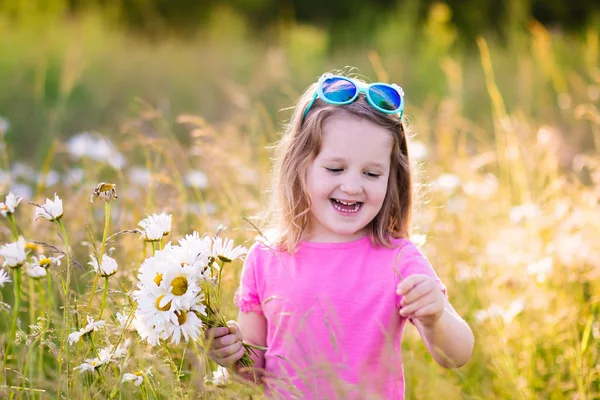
x=148 y=333
x=155 y=226
x=14 y=253
x=46 y=262
x=179 y=286
x=51 y=210
x=195 y=250
x=105 y=191
x=108 y=354
x=35 y=271
x=90 y=364
x=223 y=249
x=152 y=267
x=10 y=204
x=4 y=278
x=108 y=265
x=91 y=326
x=136 y=378
x=219 y=377
x=187 y=324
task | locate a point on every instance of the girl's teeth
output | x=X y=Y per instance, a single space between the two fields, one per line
x=356 y=206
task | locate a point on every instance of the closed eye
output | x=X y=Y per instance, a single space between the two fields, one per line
x=372 y=175
x=334 y=170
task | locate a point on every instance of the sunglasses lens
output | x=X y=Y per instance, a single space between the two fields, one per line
x=386 y=97
x=339 y=90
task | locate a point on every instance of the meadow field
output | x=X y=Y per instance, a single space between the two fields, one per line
x=505 y=135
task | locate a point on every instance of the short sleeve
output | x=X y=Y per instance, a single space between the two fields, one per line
x=410 y=261
x=247 y=298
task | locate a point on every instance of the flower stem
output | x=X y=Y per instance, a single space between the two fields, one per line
x=153 y=248
x=40 y=369
x=50 y=296
x=66 y=305
x=13 y=226
x=92 y=294
x=17 y=293
x=31 y=296
x=15 y=316
x=105 y=234
x=103 y=298
x=219 y=282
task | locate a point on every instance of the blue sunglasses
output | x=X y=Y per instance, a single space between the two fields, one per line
x=340 y=90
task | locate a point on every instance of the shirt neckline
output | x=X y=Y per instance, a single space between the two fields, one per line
x=335 y=245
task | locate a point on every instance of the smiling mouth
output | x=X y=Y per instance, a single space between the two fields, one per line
x=346 y=206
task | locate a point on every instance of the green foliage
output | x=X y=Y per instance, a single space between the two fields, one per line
x=516 y=122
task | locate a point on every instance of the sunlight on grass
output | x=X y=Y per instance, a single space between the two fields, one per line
x=506 y=140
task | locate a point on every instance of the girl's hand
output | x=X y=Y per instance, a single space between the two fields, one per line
x=225 y=344
x=422 y=299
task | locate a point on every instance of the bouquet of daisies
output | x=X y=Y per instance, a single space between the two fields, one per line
x=178 y=292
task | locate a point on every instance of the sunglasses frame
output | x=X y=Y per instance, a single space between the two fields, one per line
x=360 y=88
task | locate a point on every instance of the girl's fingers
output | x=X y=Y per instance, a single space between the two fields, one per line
x=429 y=309
x=415 y=306
x=228 y=351
x=234 y=357
x=224 y=341
x=409 y=283
x=416 y=293
x=213 y=333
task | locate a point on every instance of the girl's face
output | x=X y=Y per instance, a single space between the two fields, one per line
x=347 y=181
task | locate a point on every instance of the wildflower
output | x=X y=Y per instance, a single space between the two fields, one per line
x=96 y=147
x=91 y=326
x=186 y=324
x=90 y=364
x=4 y=126
x=506 y=314
x=14 y=253
x=195 y=250
x=35 y=271
x=51 y=210
x=155 y=226
x=540 y=269
x=196 y=179
x=46 y=262
x=219 y=377
x=105 y=191
x=107 y=267
x=417 y=150
x=108 y=354
x=447 y=183
x=224 y=251
x=10 y=204
x=136 y=378
x=4 y=278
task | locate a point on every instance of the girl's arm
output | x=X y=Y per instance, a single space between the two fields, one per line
x=449 y=340
x=447 y=336
x=254 y=331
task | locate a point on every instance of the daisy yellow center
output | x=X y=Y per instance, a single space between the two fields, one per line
x=45 y=262
x=180 y=286
x=4 y=207
x=158 y=279
x=181 y=317
x=139 y=373
x=31 y=246
x=166 y=307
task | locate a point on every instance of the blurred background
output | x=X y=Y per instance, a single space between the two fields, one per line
x=178 y=101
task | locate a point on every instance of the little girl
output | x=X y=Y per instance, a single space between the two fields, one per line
x=330 y=297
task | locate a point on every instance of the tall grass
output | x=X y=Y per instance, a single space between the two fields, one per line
x=506 y=138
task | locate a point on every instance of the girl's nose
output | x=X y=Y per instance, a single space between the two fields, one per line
x=351 y=186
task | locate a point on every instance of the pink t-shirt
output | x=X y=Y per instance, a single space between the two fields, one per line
x=333 y=328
